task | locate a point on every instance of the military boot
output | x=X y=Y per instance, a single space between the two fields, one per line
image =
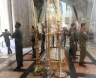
x=17 y=68
x=82 y=64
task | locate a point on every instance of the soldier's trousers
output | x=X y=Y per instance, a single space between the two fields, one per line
x=74 y=49
x=82 y=53
x=19 y=55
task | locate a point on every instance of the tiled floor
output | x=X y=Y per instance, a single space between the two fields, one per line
x=72 y=68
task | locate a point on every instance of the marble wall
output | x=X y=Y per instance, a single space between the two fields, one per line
x=20 y=11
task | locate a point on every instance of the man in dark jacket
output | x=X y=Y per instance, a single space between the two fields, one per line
x=6 y=35
x=18 y=46
x=63 y=37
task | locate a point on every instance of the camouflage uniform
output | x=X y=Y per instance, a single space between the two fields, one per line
x=18 y=45
x=82 y=41
x=73 y=38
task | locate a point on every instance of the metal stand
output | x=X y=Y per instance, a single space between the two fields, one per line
x=60 y=72
x=38 y=68
x=47 y=72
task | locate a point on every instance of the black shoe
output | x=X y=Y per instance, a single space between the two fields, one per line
x=82 y=65
x=17 y=68
x=21 y=65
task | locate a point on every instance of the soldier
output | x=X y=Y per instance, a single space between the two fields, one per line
x=18 y=46
x=43 y=41
x=69 y=34
x=82 y=41
x=6 y=35
x=33 y=43
x=63 y=37
x=73 y=41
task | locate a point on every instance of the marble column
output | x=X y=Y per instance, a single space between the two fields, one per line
x=22 y=13
x=92 y=26
x=10 y=16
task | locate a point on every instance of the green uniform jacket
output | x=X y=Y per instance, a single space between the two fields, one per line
x=18 y=37
x=82 y=38
x=74 y=35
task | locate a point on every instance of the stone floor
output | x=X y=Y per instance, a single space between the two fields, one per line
x=73 y=70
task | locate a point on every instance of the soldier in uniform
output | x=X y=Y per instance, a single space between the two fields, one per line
x=69 y=34
x=73 y=41
x=33 y=43
x=82 y=41
x=64 y=36
x=18 y=46
x=6 y=35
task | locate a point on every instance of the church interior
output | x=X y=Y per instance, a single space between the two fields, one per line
x=52 y=54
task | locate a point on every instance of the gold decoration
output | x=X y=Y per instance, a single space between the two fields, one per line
x=38 y=68
x=59 y=73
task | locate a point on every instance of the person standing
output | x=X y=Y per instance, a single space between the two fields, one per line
x=71 y=29
x=63 y=36
x=33 y=42
x=6 y=35
x=69 y=34
x=82 y=42
x=73 y=41
x=18 y=46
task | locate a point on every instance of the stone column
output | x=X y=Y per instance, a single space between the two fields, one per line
x=92 y=26
x=22 y=13
x=10 y=16
x=89 y=11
